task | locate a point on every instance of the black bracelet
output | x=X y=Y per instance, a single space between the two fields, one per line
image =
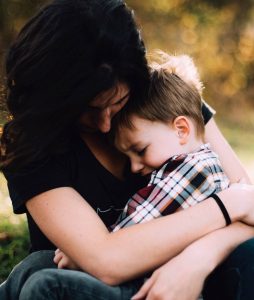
x=222 y=208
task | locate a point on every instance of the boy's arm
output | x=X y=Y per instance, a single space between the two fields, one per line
x=230 y=162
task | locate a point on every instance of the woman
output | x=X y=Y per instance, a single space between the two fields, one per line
x=70 y=70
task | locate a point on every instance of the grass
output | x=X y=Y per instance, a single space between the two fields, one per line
x=14 y=241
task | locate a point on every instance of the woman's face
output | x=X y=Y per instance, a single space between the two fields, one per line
x=102 y=109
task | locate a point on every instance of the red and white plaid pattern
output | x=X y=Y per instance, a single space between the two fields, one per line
x=183 y=181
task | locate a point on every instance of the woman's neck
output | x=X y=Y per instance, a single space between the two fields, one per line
x=108 y=156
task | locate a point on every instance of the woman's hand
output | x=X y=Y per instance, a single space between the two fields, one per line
x=181 y=278
x=63 y=261
x=243 y=198
x=239 y=202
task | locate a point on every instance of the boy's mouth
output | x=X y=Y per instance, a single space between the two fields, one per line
x=146 y=172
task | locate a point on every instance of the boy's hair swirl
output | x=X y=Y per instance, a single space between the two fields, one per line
x=175 y=90
x=180 y=65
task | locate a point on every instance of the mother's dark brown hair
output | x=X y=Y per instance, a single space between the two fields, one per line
x=63 y=57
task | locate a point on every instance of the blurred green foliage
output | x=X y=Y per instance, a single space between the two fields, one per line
x=218 y=34
x=220 y=37
x=14 y=245
x=14 y=240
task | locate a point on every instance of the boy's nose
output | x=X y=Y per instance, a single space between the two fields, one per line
x=136 y=166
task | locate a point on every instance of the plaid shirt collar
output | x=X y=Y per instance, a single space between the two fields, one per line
x=174 y=161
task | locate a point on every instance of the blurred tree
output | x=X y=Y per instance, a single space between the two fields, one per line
x=13 y=14
x=219 y=34
x=220 y=37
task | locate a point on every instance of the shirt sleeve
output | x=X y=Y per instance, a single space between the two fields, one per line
x=35 y=180
x=207 y=111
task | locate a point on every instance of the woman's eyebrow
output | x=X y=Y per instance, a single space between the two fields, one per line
x=108 y=102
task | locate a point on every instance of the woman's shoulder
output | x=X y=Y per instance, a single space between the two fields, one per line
x=53 y=171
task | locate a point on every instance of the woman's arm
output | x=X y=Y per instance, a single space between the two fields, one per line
x=74 y=227
x=183 y=276
x=230 y=162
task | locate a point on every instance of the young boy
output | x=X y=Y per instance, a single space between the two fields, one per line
x=164 y=137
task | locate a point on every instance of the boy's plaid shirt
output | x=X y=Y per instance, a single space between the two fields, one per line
x=183 y=181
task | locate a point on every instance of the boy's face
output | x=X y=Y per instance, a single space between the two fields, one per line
x=148 y=145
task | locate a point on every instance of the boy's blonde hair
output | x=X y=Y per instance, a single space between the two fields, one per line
x=175 y=90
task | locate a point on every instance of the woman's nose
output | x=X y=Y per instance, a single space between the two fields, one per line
x=104 y=120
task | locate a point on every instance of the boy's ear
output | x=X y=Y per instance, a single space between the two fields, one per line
x=182 y=127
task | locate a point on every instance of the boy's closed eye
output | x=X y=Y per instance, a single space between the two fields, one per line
x=140 y=152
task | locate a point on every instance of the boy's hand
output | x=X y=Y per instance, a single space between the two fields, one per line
x=63 y=261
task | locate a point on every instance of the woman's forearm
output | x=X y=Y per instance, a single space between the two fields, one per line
x=217 y=245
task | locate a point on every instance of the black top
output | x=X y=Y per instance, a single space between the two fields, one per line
x=80 y=170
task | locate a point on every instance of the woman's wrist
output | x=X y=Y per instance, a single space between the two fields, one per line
x=222 y=208
x=235 y=202
x=222 y=242
x=192 y=255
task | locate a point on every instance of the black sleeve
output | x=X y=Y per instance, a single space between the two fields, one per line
x=207 y=111
x=35 y=180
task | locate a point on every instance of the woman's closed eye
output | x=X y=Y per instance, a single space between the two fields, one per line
x=122 y=100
